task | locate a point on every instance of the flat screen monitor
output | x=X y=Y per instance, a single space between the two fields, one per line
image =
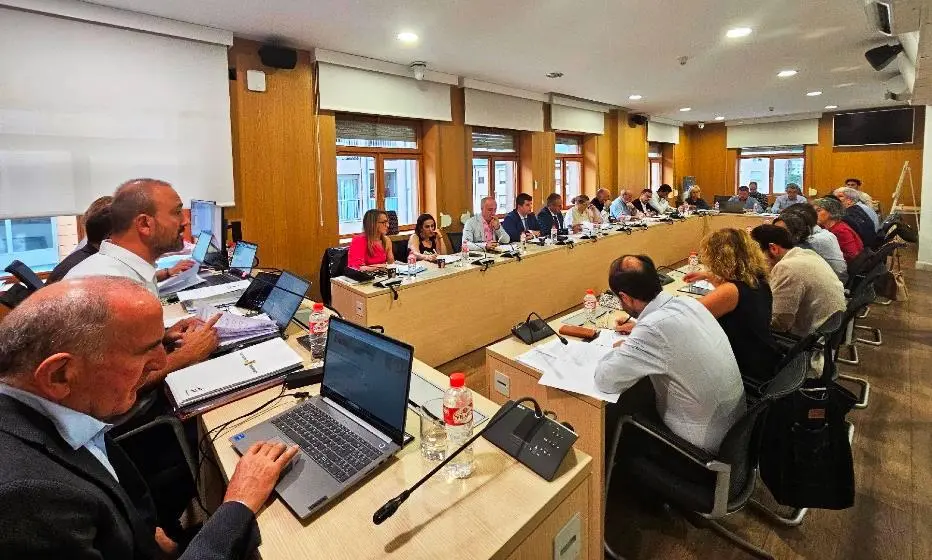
x=874 y=128
x=207 y=216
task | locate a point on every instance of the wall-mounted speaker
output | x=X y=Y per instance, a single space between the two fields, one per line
x=637 y=120
x=278 y=57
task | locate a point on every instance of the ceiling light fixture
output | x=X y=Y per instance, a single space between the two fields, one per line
x=814 y=93
x=719 y=118
x=786 y=73
x=407 y=37
x=738 y=32
x=830 y=107
x=684 y=109
x=635 y=97
x=554 y=75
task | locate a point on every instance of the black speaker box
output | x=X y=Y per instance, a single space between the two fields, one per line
x=278 y=57
x=637 y=120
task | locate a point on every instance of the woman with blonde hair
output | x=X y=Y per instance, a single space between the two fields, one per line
x=371 y=249
x=582 y=212
x=741 y=300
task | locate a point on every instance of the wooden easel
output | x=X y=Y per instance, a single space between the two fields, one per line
x=906 y=173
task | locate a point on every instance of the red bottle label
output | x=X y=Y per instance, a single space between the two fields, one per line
x=457 y=416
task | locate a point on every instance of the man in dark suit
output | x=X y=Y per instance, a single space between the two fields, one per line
x=551 y=215
x=521 y=219
x=72 y=355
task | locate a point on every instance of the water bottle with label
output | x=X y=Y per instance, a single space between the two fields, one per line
x=412 y=264
x=716 y=206
x=693 y=265
x=317 y=330
x=464 y=254
x=553 y=233
x=457 y=416
x=590 y=302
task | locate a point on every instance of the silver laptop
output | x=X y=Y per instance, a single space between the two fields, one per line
x=355 y=425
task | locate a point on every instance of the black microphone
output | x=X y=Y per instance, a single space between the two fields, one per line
x=391 y=506
x=549 y=328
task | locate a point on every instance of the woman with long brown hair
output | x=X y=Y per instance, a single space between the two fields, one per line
x=371 y=249
x=741 y=301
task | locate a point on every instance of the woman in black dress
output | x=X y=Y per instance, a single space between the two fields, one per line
x=427 y=240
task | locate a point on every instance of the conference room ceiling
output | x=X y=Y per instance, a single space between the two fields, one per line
x=607 y=50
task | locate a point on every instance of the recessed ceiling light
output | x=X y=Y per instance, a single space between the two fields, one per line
x=830 y=107
x=719 y=118
x=786 y=73
x=407 y=37
x=634 y=97
x=814 y=93
x=684 y=109
x=738 y=32
x=554 y=74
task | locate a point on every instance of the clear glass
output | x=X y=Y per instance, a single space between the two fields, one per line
x=573 y=179
x=402 y=189
x=433 y=430
x=785 y=171
x=480 y=182
x=755 y=169
x=355 y=191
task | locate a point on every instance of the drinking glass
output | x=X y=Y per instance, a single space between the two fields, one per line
x=433 y=430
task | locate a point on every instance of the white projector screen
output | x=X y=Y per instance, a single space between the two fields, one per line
x=84 y=107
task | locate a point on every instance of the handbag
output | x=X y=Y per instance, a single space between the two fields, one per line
x=805 y=459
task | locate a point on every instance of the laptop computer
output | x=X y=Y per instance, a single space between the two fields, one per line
x=244 y=257
x=354 y=425
x=731 y=207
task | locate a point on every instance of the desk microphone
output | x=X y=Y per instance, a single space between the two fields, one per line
x=547 y=325
x=391 y=506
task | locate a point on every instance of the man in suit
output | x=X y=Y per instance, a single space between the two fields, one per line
x=551 y=215
x=71 y=356
x=521 y=220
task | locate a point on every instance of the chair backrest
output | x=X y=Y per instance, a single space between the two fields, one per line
x=400 y=249
x=25 y=275
x=331 y=265
x=822 y=333
x=392 y=222
x=456 y=241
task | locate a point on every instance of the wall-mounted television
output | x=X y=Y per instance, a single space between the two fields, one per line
x=875 y=127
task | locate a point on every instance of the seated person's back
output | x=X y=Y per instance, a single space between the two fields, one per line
x=97 y=227
x=680 y=346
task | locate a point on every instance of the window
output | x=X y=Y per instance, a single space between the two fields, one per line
x=771 y=167
x=568 y=167
x=495 y=151
x=40 y=243
x=655 y=165
x=378 y=166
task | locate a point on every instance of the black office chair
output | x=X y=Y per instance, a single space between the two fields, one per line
x=863 y=297
x=332 y=264
x=456 y=241
x=400 y=249
x=25 y=275
x=732 y=472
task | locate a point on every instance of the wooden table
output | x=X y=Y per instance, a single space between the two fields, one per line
x=502 y=511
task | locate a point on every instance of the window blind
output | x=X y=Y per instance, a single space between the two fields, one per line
x=85 y=107
x=660 y=132
x=568 y=145
x=573 y=119
x=375 y=134
x=785 y=133
x=485 y=141
x=495 y=110
x=352 y=90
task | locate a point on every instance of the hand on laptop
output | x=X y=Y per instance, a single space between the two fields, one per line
x=257 y=473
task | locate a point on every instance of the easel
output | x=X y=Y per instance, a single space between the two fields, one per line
x=905 y=173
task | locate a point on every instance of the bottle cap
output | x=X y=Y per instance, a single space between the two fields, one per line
x=590 y=291
x=318 y=306
x=457 y=379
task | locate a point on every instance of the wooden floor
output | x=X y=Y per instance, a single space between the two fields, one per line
x=892 y=515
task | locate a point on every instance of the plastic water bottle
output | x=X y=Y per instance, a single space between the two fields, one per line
x=412 y=264
x=464 y=253
x=590 y=302
x=693 y=262
x=553 y=233
x=716 y=206
x=317 y=329
x=457 y=415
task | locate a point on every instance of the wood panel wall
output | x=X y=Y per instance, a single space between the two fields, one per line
x=631 y=155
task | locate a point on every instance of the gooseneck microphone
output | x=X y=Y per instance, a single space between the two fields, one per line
x=391 y=506
x=549 y=328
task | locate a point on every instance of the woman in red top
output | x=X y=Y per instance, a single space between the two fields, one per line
x=371 y=249
x=830 y=213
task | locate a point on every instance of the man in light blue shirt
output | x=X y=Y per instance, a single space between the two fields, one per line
x=791 y=197
x=746 y=200
x=622 y=206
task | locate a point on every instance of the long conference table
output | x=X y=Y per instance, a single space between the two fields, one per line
x=449 y=312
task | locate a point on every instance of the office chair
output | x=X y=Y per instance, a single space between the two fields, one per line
x=332 y=265
x=25 y=275
x=14 y=295
x=392 y=222
x=456 y=241
x=400 y=249
x=721 y=199
x=732 y=471
x=860 y=299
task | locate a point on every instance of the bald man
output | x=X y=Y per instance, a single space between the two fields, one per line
x=602 y=196
x=72 y=356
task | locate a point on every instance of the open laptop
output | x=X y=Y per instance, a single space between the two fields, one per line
x=731 y=207
x=354 y=425
x=244 y=257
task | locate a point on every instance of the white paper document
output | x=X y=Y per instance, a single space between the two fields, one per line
x=449 y=258
x=234 y=328
x=181 y=281
x=608 y=338
x=231 y=371
x=569 y=367
x=210 y=291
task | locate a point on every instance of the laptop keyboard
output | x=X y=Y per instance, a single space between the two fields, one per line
x=332 y=446
x=218 y=279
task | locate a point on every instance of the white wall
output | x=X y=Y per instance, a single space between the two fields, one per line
x=925 y=223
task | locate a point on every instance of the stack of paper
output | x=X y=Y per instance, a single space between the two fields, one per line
x=569 y=367
x=233 y=328
x=181 y=281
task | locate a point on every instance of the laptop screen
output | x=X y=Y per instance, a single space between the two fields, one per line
x=368 y=374
x=199 y=253
x=244 y=255
x=285 y=297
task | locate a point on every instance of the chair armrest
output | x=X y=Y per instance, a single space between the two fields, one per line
x=664 y=435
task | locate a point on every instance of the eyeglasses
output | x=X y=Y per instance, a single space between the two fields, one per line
x=380 y=222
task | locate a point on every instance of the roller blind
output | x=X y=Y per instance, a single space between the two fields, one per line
x=84 y=107
x=352 y=90
x=660 y=132
x=787 y=133
x=495 y=110
x=573 y=119
x=374 y=134
x=486 y=141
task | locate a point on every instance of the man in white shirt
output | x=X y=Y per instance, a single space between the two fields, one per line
x=791 y=197
x=147 y=221
x=484 y=231
x=681 y=348
x=659 y=201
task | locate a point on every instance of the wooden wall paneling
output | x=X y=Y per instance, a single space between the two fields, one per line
x=668 y=165
x=591 y=181
x=607 y=146
x=448 y=151
x=538 y=169
x=709 y=159
x=682 y=159
x=631 y=156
